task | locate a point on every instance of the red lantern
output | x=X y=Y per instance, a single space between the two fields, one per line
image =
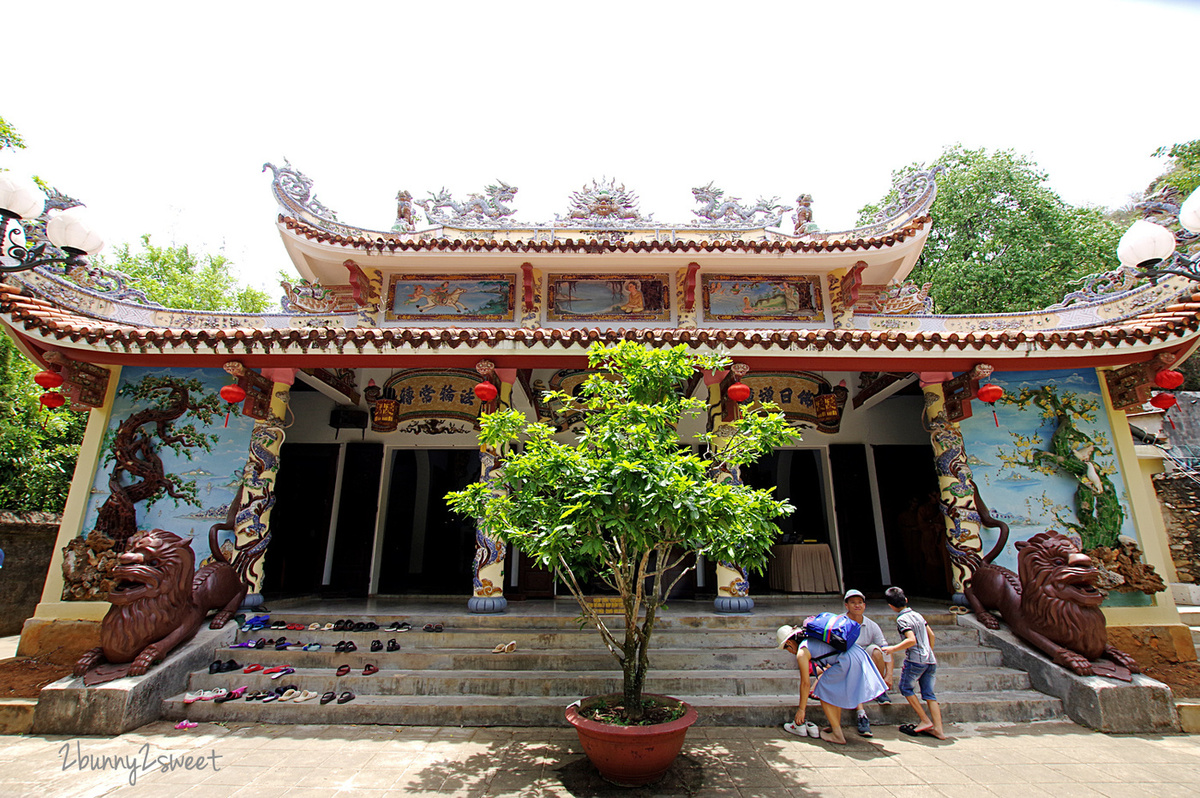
x=738 y=392
x=485 y=391
x=52 y=400
x=48 y=380
x=1164 y=401
x=233 y=394
x=1168 y=379
x=990 y=393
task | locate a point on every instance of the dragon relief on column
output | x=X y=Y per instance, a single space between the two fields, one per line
x=488 y=550
x=256 y=498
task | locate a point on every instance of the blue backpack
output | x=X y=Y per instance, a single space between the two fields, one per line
x=838 y=631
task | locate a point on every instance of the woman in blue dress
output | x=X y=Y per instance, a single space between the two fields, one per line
x=849 y=679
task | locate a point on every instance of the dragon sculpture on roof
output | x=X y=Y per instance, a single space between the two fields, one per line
x=729 y=212
x=479 y=209
x=604 y=203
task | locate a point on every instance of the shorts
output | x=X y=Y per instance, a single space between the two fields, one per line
x=921 y=673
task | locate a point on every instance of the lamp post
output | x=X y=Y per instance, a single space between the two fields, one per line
x=1150 y=248
x=69 y=231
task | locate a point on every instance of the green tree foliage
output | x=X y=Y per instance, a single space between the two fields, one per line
x=626 y=502
x=1183 y=167
x=1002 y=240
x=176 y=277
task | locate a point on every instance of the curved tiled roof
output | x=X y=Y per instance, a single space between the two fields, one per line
x=381 y=244
x=41 y=319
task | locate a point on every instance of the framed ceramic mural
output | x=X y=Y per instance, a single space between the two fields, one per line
x=610 y=297
x=731 y=297
x=477 y=297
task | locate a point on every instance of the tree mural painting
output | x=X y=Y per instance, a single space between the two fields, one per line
x=1099 y=516
x=138 y=474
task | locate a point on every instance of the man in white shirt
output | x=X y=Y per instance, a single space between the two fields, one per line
x=870 y=638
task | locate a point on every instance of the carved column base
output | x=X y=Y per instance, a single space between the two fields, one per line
x=487 y=605
x=252 y=601
x=733 y=604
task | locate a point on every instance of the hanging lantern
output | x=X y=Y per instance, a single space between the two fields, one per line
x=738 y=392
x=991 y=394
x=1164 y=401
x=51 y=400
x=485 y=391
x=48 y=380
x=233 y=394
x=1168 y=379
x=384 y=415
x=825 y=406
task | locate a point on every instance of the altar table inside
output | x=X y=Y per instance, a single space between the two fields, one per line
x=802 y=568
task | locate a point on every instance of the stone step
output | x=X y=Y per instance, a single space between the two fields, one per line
x=1195 y=635
x=525 y=683
x=560 y=660
x=1017 y=706
x=760 y=619
x=562 y=639
x=1189 y=615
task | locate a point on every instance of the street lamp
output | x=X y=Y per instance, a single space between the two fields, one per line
x=68 y=231
x=1150 y=248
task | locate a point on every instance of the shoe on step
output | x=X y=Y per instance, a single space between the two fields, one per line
x=863 y=724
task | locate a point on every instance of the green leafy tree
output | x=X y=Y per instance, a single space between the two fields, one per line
x=1183 y=167
x=626 y=502
x=176 y=277
x=1002 y=240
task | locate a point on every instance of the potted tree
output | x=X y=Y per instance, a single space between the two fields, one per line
x=627 y=503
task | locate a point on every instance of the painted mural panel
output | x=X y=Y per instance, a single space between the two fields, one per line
x=611 y=297
x=180 y=476
x=477 y=297
x=1046 y=461
x=731 y=297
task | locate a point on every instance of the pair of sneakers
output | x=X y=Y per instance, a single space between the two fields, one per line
x=808 y=729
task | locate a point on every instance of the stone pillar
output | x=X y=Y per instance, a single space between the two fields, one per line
x=733 y=583
x=488 y=568
x=253 y=524
x=955 y=480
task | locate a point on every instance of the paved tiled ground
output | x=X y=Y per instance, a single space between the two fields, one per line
x=1048 y=759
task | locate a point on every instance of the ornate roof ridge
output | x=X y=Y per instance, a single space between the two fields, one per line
x=603 y=208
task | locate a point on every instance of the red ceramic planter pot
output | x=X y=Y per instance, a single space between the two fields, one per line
x=631 y=755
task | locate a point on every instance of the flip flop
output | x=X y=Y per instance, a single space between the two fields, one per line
x=958 y=609
x=910 y=729
x=283 y=672
x=186 y=724
x=345 y=697
x=343 y=670
x=370 y=669
x=404 y=627
x=327 y=697
x=510 y=647
x=328 y=627
x=498 y=649
x=307 y=695
x=427 y=627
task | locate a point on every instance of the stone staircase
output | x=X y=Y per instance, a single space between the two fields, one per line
x=723 y=665
x=1191 y=616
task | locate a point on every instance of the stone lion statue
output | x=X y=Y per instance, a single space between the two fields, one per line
x=159 y=600
x=1053 y=603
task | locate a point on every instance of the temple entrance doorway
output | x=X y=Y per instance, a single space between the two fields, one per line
x=912 y=520
x=304 y=495
x=796 y=475
x=427 y=548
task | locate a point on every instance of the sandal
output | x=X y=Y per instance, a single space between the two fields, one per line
x=958 y=609
x=186 y=724
x=909 y=728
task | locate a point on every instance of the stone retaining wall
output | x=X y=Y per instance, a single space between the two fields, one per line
x=28 y=543
x=1179 y=495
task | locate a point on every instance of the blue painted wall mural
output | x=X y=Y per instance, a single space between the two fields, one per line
x=208 y=478
x=1050 y=464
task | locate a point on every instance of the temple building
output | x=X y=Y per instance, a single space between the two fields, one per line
x=318 y=441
